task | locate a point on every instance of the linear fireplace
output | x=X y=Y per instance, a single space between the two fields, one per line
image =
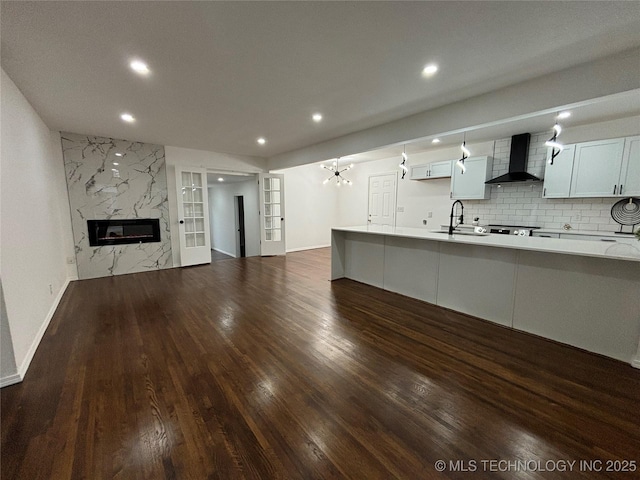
x=119 y=232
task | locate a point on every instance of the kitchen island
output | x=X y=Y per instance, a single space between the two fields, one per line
x=585 y=294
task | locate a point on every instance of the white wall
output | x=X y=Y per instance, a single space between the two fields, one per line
x=348 y=205
x=212 y=161
x=7 y=360
x=311 y=208
x=36 y=226
x=222 y=214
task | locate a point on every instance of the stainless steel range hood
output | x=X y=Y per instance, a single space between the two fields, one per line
x=517 y=162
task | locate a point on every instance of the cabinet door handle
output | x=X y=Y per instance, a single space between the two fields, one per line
x=615 y=187
x=620 y=192
x=544 y=192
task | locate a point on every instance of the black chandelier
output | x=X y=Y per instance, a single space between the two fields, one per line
x=337 y=173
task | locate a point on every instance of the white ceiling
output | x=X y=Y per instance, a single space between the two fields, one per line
x=213 y=178
x=225 y=73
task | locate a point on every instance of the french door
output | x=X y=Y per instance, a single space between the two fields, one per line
x=272 y=223
x=193 y=216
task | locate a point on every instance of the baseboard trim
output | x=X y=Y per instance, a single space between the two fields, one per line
x=10 y=380
x=22 y=371
x=300 y=249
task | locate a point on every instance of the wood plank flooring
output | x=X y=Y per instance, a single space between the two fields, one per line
x=262 y=368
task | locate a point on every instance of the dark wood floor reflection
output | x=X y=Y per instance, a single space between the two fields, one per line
x=262 y=368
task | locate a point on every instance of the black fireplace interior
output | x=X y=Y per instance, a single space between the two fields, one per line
x=119 y=232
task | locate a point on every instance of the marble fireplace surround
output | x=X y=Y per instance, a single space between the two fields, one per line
x=104 y=186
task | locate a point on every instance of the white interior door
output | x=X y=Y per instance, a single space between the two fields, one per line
x=193 y=216
x=272 y=222
x=382 y=199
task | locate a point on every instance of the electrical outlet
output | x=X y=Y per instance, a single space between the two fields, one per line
x=71 y=260
x=400 y=209
x=429 y=214
x=50 y=289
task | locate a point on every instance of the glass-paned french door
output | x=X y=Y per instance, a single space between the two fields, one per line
x=193 y=212
x=272 y=224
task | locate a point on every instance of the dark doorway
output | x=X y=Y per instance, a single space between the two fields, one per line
x=240 y=237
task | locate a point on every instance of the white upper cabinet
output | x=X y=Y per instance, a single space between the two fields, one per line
x=603 y=168
x=557 y=177
x=470 y=185
x=597 y=167
x=431 y=170
x=440 y=169
x=630 y=171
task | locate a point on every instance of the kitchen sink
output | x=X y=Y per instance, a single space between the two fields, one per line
x=460 y=232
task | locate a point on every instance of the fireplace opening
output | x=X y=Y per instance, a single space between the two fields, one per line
x=120 y=232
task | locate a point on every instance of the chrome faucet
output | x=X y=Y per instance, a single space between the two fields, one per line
x=451 y=227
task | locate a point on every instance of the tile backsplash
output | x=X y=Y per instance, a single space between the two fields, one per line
x=522 y=203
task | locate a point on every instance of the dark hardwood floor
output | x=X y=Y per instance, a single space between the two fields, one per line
x=262 y=368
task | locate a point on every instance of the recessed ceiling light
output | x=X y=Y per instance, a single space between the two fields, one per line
x=429 y=70
x=139 y=67
x=127 y=117
x=317 y=117
x=116 y=163
x=220 y=179
x=435 y=140
x=562 y=115
x=261 y=141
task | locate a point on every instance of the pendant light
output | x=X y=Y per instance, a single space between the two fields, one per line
x=465 y=155
x=403 y=164
x=337 y=173
x=556 y=147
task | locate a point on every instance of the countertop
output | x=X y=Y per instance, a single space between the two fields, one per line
x=617 y=251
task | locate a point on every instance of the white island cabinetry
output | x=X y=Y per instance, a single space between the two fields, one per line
x=585 y=294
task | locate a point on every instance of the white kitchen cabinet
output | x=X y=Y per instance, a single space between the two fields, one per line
x=596 y=168
x=470 y=185
x=630 y=171
x=557 y=177
x=431 y=170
